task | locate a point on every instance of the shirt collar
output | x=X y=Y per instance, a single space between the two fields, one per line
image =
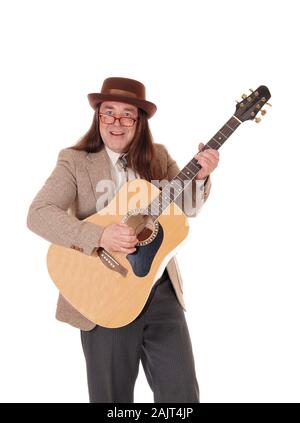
x=112 y=155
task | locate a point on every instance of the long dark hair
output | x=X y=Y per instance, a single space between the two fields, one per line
x=141 y=153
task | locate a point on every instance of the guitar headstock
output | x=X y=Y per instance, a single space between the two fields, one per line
x=251 y=105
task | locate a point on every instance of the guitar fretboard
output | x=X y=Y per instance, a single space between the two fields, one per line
x=179 y=183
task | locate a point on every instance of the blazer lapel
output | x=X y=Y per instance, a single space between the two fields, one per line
x=98 y=168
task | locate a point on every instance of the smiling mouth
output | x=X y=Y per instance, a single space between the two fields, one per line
x=116 y=133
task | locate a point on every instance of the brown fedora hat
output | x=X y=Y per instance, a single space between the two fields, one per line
x=124 y=90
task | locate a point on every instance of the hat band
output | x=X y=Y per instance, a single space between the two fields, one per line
x=121 y=92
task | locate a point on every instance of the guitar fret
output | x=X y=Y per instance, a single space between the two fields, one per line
x=216 y=141
x=222 y=134
x=212 y=144
x=229 y=127
x=181 y=191
x=224 y=131
x=190 y=170
x=173 y=181
x=178 y=177
x=195 y=166
x=239 y=121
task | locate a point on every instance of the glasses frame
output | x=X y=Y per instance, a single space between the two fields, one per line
x=119 y=119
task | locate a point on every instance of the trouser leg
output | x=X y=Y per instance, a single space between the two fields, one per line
x=112 y=362
x=167 y=355
x=112 y=358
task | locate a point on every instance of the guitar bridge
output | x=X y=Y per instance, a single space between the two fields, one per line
x=110 y=262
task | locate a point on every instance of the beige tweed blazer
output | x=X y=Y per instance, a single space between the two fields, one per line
x=69 y=195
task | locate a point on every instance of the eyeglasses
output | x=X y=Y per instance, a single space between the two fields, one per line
x=124 y=121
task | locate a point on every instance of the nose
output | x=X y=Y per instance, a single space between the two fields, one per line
x=117 y=120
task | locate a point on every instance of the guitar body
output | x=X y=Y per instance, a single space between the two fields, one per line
x=93 y=286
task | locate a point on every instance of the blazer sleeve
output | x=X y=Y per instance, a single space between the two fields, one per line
x=191 y=200
x=48 y=213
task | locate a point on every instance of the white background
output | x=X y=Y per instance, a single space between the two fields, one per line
x=240 y=265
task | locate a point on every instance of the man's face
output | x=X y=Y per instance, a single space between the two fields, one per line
x=115 y=136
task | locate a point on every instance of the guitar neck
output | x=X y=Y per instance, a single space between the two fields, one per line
x=182 y=180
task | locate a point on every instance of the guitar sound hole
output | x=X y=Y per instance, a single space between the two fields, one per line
x=144 y=234
x=144 y=226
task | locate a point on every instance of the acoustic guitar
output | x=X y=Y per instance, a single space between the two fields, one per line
x=111 y=289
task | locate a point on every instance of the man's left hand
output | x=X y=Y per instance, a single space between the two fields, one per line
x=208 y=159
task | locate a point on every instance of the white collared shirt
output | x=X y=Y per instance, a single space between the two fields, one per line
x=119 y=174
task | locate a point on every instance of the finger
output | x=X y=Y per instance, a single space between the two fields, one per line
x=206 y=169
x=205 y=162
x=212 y=154
x=125 y=226
x=127 y=231
x=127 y=250
x=211 y=158
x=200 y=146
x=127 y=245
x=128 y=238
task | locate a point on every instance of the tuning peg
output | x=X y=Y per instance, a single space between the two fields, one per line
x=250 y=89
x=244 y=96
x=263 y=112
x=269 y=104
x=257 y=120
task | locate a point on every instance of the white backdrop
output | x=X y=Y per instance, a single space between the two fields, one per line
x=240 y=264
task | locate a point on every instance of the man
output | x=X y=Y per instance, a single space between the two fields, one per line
x=159 y=336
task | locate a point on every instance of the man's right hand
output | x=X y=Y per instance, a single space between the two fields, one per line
x=118 y=237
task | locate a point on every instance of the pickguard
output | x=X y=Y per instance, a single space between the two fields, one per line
x=143 y=257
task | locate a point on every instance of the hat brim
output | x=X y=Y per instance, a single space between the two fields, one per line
x=96 y=98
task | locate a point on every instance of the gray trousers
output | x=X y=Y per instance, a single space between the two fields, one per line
x=159 y=337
